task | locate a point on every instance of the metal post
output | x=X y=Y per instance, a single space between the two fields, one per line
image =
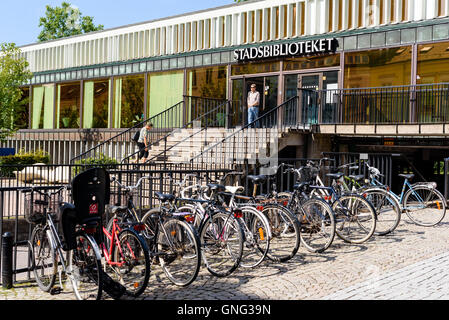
x=7 y=246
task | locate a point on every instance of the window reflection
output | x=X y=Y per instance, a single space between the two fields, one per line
x=433 y=63
x=128 y=101
x=378 y=68
x=21 y=113
x=302 y=63
x=207 y=82
x=255 y=67
x=68 y=105
x=96 y=104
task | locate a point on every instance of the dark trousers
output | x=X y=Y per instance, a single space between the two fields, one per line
x=142 y=152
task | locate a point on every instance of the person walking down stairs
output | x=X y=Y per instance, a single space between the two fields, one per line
x=144 y=143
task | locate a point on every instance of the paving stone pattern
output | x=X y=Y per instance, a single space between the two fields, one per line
x=411 y=263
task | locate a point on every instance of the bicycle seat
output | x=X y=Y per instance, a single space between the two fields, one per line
x=117 y=209
x=337 y=175
x=407 y=176
x=258 y=179
x=164 y=197
x=216 y=187
x=357 y=177
x=234 y=190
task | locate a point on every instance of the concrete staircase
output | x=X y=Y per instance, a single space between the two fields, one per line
x=217 y=144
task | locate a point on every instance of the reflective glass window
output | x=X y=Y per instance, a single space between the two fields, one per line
x=302 y=63
x=255 y=67
x=207 y=82
x=128 y=106
x=378 y=68
x=433 y=63
x=96 y=104
x=68 y=105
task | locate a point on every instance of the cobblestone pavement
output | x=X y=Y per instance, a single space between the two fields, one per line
x=411 y=263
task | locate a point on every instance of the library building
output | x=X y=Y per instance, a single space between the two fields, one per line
x=337 y=76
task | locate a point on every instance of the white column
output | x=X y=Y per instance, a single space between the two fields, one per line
x=220 y=32
x=446 y=8
x=187 y=37
x=249 y=26
x=355 y=14
x=335 y=15
x=387 y=12
x=207 y=34
x=432 y=9
x=322 y=23
x=181 y=37
x=257 y=27
x=235 y=29
x=213 y=33
x=299 y=15
x=290 y=20
x=397 y=11
x=200 y=34
x=411 y=10
x=345 y=14
x=228 y=30
x=281 y=22
x=265 y=23
x=376 y=12
x=273 y=24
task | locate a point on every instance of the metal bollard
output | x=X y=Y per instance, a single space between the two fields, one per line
x=7 y=246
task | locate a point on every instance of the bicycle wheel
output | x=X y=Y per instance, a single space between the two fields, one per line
x=43 y=255
x=388 y=212
x=285 y=232
x=317 y=225
x=355 y=218
x=179 y=251
x=133 y=262
x=424 y=205
x=85 y=270
x=257 y=237
x=221 y=239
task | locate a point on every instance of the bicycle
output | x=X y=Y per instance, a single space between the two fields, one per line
x=171 y=241
x=388 y=211
x=283 y=225
x=82 y=264
x=220 y=230
x=422 y=203
x=355 y=217
x=127 y=256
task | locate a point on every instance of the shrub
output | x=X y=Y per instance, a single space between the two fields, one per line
x=19 y=161
x=100 y=160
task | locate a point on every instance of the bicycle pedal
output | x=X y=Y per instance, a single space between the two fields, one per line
x=55 y=291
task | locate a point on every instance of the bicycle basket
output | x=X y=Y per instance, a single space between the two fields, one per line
x=35 y=210
x=308 y=174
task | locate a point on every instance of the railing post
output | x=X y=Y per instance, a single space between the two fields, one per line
x=7 y=272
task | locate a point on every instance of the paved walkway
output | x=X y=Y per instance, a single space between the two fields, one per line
x=411 y=263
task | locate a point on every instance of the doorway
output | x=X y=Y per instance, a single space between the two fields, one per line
x=267 y=86
x=314 y=90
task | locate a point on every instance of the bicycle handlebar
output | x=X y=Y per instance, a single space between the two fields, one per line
x=129 y=188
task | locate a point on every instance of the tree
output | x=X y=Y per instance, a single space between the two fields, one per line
x=65 y=21
x=13 y=74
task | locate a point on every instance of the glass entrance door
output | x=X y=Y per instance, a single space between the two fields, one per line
x=266 y=86
x=309 y=87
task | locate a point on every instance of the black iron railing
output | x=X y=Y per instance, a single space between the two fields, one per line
x=258 y=139
x=427 y=103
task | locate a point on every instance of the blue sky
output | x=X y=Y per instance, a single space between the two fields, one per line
x=19 y=19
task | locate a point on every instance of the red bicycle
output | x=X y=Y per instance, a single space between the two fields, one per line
x=127 y=256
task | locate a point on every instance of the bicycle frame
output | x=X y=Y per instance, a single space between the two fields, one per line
x=113 y=238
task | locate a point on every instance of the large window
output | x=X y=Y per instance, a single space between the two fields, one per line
x=207 y=82
x=378 y=68
x=165 y=89
x=96 y=104
x=433 y=63
x=128 y=101
x=68 y=105
x=43 y=107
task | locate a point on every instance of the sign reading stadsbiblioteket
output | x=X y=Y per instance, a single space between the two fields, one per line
x=301 y=48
